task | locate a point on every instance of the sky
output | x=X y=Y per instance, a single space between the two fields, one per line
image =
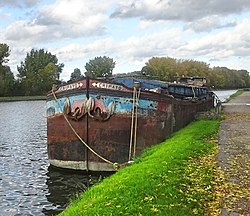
x=129 y=31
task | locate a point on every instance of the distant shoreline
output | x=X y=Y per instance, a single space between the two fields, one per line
x=21 y=98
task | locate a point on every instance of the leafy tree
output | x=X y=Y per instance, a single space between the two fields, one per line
x=38 y=72
x=224 y=78
x=168 y=69
x=76 y=75
x=245 y=76
x=192 y=68
x=6 y=76
x=162 y=68
x=100 y=67
x=217 y=78
x=6 y=81
x=48 y=76
x=4 y=53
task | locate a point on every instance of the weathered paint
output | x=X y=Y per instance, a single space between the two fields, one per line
x=123 y=104
x=82 y=165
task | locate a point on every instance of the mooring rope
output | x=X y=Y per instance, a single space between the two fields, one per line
x=133 y=129
x=115 y=164
x=137 y=96
x=132 y=126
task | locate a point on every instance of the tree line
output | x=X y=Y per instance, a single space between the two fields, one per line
x=36 y=73
x=41 y=69
x=169 y=69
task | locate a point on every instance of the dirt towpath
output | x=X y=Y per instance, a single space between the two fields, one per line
x=234 y=155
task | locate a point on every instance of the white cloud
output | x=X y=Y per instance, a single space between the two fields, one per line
x=25 y=33
x=79 y=30
x=62 y=20
x=220 y=45
x=179 y=9
x=209 y=23
x=75 y=18
x=78 y=51
x=130 y=54
x=134 y=48
x=157 y=44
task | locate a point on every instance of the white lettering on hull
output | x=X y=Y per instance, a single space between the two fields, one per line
x=70 y=86
x=107 y=86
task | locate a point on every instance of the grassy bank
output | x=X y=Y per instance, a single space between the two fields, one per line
x=22 y=98
x=175 y=177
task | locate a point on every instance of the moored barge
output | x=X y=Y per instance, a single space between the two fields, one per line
x=98 y=125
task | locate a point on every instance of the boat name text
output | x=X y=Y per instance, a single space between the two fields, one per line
x=107 y=86
x=70 y=86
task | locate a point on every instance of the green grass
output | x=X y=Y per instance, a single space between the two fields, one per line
x=172 y=178
x=22 y=98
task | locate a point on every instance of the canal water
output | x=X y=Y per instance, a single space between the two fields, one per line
x=224 y=95
x=28 y=185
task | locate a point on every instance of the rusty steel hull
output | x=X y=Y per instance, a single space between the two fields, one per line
x=185 y=111
x=109 y=139
x=105 y=127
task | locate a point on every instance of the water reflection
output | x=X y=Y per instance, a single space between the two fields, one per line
x=23 y=164
x=224 y=94
x=65 y=185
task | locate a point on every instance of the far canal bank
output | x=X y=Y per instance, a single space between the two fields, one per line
x=22 y=98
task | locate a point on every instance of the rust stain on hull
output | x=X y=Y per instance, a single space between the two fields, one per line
x=110 y=139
